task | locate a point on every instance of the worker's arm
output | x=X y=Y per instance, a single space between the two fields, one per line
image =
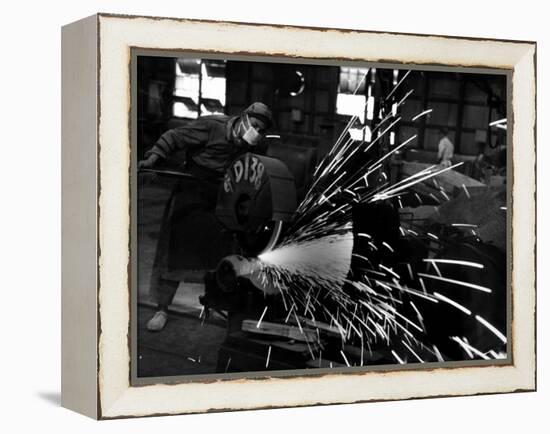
x=190 y=136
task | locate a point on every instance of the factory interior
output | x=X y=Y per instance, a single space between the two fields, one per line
x=312 y=106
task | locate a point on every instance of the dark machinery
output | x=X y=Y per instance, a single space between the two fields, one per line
x=256 y=201
x=257 y=198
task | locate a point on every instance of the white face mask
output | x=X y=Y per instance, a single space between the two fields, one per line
x=251 y=134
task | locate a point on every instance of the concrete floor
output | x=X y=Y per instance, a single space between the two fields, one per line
x=186 y=346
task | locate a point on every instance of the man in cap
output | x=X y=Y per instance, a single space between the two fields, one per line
x=211 y=143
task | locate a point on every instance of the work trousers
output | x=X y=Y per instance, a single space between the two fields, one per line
x=175 y=252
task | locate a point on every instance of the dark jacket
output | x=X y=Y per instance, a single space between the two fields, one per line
x=208 y=142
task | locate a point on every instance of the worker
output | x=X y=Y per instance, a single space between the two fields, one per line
x=445 y=149
x=211 y=143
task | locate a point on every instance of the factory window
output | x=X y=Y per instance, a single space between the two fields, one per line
x=353 y=100
x=352 y=97
x=199 y=88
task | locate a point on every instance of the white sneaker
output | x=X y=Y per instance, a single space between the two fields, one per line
x=157 y=323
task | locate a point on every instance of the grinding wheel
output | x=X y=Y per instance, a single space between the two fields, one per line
x=257 y=197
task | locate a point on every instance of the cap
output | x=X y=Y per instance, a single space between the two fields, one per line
x=260 y=111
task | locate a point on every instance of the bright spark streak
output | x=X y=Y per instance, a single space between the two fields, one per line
x=492 y=328
x=298 y=322
x=452 y=303
x=456 y=262
x=419 y=115
x=289 y=312
x=389 y=270
x=398 y=84
x=268 y=356
x=464 y=346
x=413 y=352
x=381 y=134
x=466 y=191
x=434 y=198
x=397 y=357
x=405 y=143
x=438 y=354
x=357 y=255
x=498 y=355
x=409 y=269
x=457 y=282
x=416 y=310
x=436 y=268
x=500 y=121
x=423 y=285
x=387 y=246
x=345 y=358
x=445 y=195
x=468 y=348
x=261 y=318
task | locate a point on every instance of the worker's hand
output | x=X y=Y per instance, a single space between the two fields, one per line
x=148 y=162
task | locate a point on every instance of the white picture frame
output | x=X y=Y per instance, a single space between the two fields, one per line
x=96 y=253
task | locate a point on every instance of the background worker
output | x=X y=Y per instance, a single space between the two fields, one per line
x=445 y=149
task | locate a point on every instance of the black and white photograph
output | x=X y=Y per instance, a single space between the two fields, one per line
x=275 y=217
x=308 y=216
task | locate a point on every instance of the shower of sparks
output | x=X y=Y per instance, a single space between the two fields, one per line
x=310 y=266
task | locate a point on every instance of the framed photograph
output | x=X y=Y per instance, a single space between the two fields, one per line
x=261 y=216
